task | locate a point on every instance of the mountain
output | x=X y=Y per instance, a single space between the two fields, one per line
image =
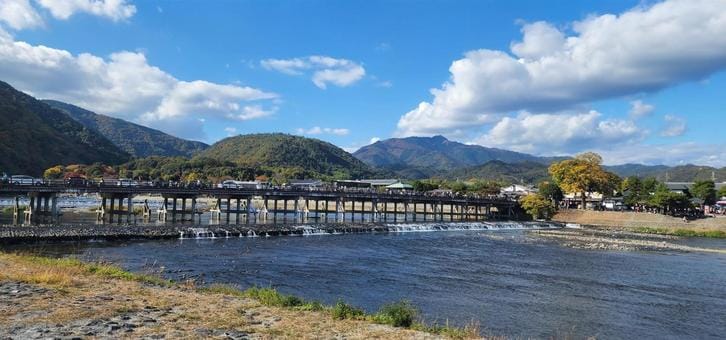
x=521 y=172
x=420 y=157
x=298 y=156
x=137 y=140
x=681 y=173
x=35 y=136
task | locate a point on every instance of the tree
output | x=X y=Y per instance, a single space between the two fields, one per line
x=668 y=201
x=584 y=174
x=55 y=172
x=704 y=190
x=537 y=206
x=551 y=191
x=485 y=187
x=722 y=192
x=423 y=186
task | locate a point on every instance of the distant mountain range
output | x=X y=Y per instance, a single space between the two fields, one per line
x=35 y=136
x=137 y=140
x=422 y=157
x=308 y=157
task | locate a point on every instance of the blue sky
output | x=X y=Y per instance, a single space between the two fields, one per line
x=635 y=81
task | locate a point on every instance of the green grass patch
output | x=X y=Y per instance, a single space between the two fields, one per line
x=342 y=310
x=397 y=314
x=681 y=232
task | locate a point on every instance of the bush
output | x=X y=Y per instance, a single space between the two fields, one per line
x=397 y=314
x=342 y=310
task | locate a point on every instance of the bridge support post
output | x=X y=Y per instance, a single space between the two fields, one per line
x=194 y=210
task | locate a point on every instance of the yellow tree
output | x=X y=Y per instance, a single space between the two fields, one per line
x=54 y=172
x=584 y=174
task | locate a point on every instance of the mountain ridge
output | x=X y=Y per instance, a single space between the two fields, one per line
x=35 y=136
x=135 y=139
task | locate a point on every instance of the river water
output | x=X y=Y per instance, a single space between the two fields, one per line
x=507 y=281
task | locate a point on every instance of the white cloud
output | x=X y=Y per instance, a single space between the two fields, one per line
x=639 y=109
x=374 y=140
x=674 y=126
x=644 y=49
x=115 y=10
x=19 y=14
x=316 y=130
x=325 y=70
x=231 y=131
x=559 y=133
x=125 y=85
x=670 y=154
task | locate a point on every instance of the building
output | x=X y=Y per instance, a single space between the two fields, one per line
x=683 y=187
x=366 y=183
x=306 y=184
x=399 y=187
x=517 y=190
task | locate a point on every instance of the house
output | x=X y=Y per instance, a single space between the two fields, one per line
x=365 y=183
x=399 y=187
x=679 y=187
x=517 y=190
x=306 y=184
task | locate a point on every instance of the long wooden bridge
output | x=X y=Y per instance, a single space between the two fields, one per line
x=250 y=204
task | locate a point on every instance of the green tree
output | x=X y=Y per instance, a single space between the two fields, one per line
x=423 y=186
x=537 y=206
x=668 y=201
x=551 y=191
x=584 y=174
x=722 y=192
x=704 y=190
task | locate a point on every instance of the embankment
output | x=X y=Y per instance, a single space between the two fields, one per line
x=633 y=220
x=64 y=298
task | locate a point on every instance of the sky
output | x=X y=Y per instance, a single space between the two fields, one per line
x=636 y=81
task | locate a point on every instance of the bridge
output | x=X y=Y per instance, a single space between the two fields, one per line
x=250 y=204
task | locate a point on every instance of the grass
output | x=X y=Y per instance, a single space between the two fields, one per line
x=401 y=314
x=681 y=232
x=64 y=272
x=64 y=267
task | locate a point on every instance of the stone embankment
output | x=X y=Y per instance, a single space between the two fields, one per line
x=612 y=219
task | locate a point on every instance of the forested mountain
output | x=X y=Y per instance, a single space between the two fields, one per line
x=137 y=140
x=291 y=155
x=522 y=172
x=35 y=136
x=420 y=157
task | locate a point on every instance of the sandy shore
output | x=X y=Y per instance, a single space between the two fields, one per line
x=619 y=240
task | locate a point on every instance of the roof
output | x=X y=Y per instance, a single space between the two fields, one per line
x=399 y=185
x=373 y=182
x=305 y=182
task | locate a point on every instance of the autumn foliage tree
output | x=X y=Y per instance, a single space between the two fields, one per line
x=537 y=206
x=584 y=174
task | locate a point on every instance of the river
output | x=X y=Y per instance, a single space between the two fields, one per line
x=510 y=283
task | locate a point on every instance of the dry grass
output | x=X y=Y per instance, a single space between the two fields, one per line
x=80 y=291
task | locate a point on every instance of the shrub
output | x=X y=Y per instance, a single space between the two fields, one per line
x=342 y=310
x=397 y=314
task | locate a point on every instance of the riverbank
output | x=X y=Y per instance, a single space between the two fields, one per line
x=49 y=298
x=646 y=223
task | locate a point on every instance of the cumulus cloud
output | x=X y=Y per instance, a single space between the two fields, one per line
x=325 y=70
x=639 y=109
x=115 y=10
x=316 y=130
x=374 y=140
x=671 y=154
x=559 y=133
x=19 y=14
x=125 y=85
x=643 y=49
x=674 y=126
